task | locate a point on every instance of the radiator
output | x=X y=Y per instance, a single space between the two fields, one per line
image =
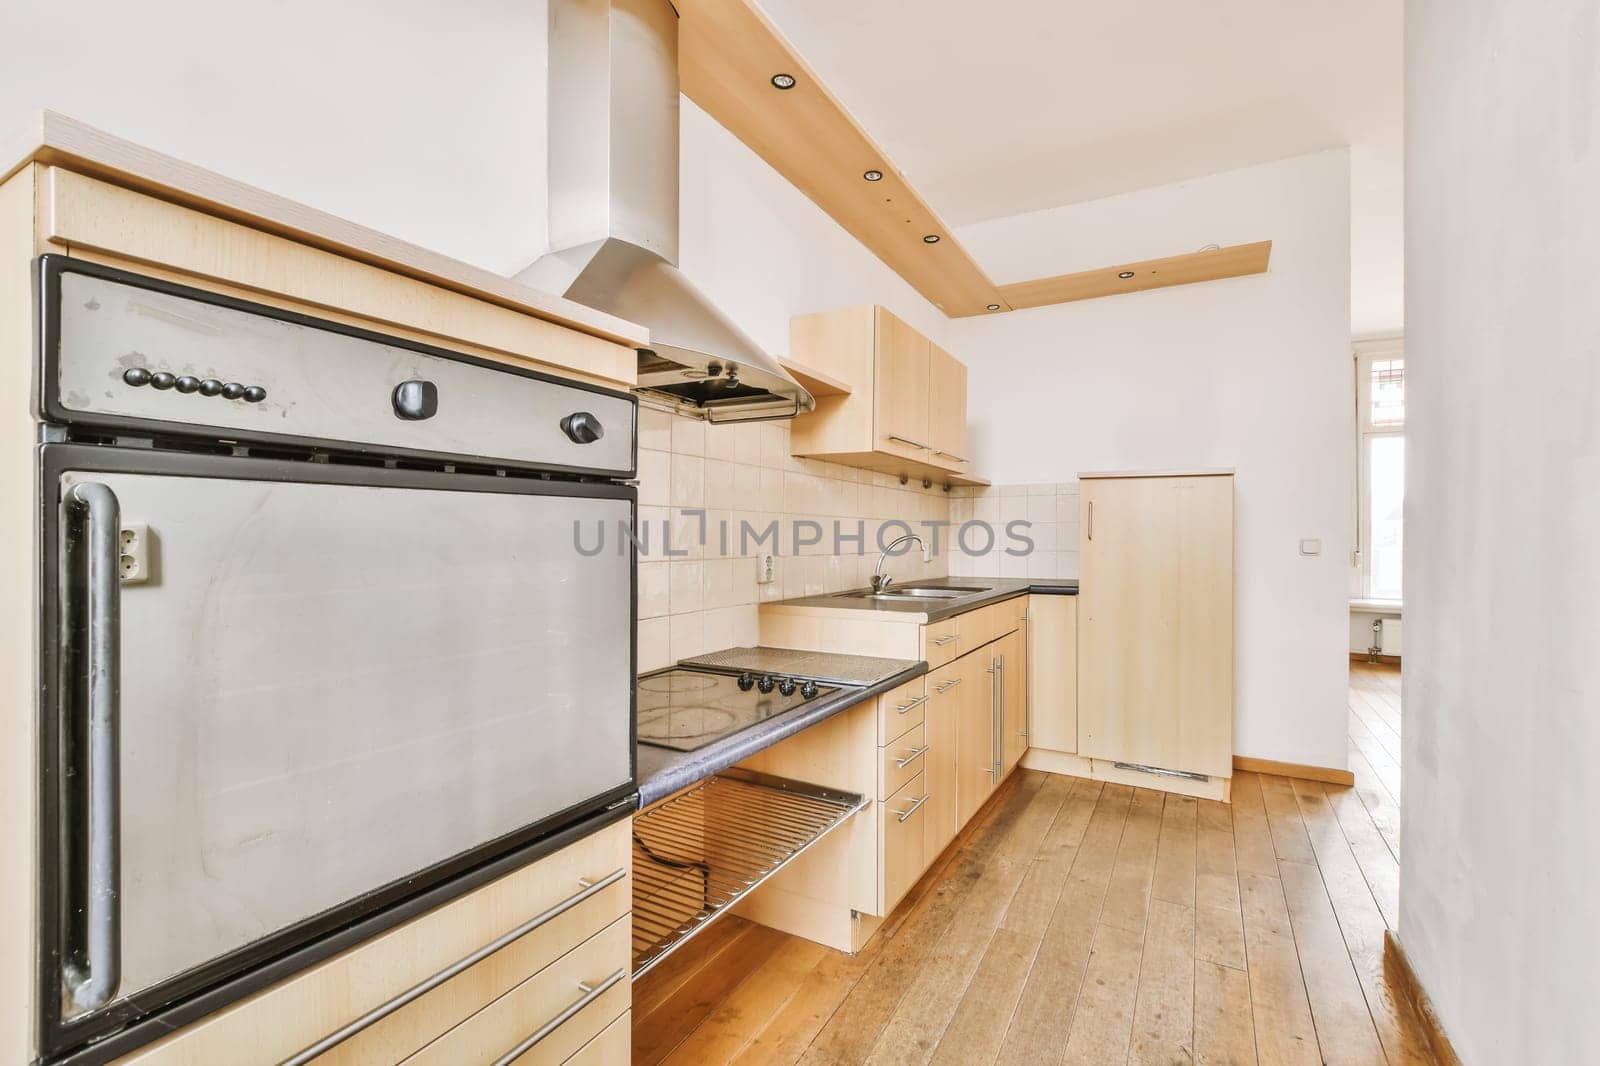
x=1389 y=637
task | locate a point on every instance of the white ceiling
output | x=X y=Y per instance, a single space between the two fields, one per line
x=1001 y=108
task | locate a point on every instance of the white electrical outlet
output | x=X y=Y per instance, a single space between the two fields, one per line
x=764 y=570
x=134 y=551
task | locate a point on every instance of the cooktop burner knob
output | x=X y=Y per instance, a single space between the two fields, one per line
x=808 y=690
x=163 y=380
x=766 y=683
x=786 y=686
x=747 y=682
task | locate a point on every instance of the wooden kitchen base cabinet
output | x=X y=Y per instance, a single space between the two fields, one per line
x=478 y=1015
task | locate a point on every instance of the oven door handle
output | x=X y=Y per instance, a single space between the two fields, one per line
x=91 y=980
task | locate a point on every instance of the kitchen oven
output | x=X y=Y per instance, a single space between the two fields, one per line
x=319 y=646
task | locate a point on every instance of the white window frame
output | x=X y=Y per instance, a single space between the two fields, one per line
x=1367 y=353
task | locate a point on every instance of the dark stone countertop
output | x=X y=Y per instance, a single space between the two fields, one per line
x=995 y=590
x=663 y=771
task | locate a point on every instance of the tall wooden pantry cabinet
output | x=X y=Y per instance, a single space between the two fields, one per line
x=1155 y=622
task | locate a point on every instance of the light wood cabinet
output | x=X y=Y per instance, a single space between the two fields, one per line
x=900 y=387
x=901 y=829
x=947 y=407
x=1155 y=637
x=574 y=910
x=976 y=757
x=1012 y=657
x=906 y=409
x=1053 y=673
x=944 y=701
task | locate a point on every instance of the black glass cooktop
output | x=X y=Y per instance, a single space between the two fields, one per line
x=688 y=709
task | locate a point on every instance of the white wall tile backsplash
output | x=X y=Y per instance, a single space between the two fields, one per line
x=703 y=596
x=1050 y=511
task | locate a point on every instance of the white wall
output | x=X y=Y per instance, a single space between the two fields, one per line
x=1500 y=837
x=1251 y=373
x=422 y=120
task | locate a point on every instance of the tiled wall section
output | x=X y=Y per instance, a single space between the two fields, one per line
x=706 y=599
x=1051 y=510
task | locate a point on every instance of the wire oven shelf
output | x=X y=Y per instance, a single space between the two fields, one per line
x=700 y=852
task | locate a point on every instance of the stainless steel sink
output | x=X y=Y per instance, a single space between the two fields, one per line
x=918 y=592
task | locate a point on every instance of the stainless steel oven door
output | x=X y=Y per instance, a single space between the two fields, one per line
x=283 y=690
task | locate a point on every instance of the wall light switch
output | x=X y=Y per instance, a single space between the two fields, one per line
x=764 y=573
x=1311 y=546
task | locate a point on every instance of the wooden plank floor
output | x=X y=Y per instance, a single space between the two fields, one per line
x=1074 y=922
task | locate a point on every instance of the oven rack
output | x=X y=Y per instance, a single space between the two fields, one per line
x=698 y=853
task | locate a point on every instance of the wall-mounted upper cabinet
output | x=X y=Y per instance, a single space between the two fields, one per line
x=906 y=412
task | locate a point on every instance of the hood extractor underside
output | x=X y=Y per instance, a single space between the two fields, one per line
x=613 y=180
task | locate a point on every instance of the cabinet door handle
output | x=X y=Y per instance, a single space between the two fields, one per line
x=1091 y=519
x=909 y=811
x=940 y=690
x=908 y=440
x=952 y=455
x=1000 y=717
x=904 y=707
x=940 y=642
x=415 y=992
x=911 y=756
x=590 y=993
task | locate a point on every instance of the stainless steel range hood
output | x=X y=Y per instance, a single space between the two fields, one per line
x=613 y=170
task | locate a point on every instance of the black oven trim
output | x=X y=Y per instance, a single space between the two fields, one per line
x=128 y=1023
x=47 y=294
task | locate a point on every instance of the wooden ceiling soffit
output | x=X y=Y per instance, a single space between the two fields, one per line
x=728 y=55
x=1233 y=261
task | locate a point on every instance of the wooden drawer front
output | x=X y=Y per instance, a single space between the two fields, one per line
x=558 y=1010
x=901 y=833
x=901 y=709
x=941 y=641
x=613 y=1047
x=296 y=1014
x=902 y=759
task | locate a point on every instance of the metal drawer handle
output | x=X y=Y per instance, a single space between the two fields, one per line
x=904 y=707
x=940 y=642
x=908 y=440
x=590 y=994
x=951 y=455
x=909 y=811
x=911 y=756
x=383 y=1010
x=940 y=690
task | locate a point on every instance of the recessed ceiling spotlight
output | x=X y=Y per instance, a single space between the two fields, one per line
x=932 y=238
x=1126 y=274
x=783 y=81
x=873 y=175
x=994 y=307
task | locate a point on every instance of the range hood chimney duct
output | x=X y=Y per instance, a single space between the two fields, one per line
x=613 y=178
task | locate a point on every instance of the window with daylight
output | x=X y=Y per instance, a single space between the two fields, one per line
x=1381 y=400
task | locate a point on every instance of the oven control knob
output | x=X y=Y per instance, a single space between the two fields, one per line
x=582 y=427
x=187 y=384
x=254 y=394
x=136 y=376
x=416 y=400
x=162 y=380
x=808 y=690
x=747 y=682
x=766 y=683
x=210 y=387
x=786 y=686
